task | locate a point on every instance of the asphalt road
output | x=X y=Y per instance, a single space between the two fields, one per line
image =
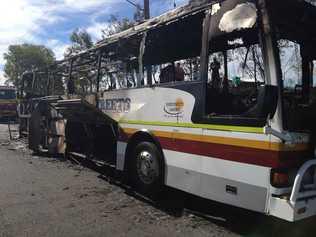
x=46 y=196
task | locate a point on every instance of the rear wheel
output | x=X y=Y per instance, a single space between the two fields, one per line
x=147 y=168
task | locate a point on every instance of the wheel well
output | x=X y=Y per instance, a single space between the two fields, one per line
x=140 y=136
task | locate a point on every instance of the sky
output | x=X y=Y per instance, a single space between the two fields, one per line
x=50 y=22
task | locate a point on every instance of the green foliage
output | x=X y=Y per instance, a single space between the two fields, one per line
x=116 y=25
x=139 y=14
x=81 y=40
x=25 y=57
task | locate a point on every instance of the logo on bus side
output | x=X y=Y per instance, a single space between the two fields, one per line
x=119 y=105
x=174 y=109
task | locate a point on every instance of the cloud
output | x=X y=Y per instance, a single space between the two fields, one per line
x=95 y=30
x=22 y=20
x=161 y=6
x=96 y=27
x=3 y=49
x=25 y=20
x=58 y=47
x=2 y=79
x=86 y=5
x=35 y=21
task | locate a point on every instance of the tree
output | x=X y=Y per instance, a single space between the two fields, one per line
x=116 y=25
x=80 y=40
x=139 y=15
x=25 y=57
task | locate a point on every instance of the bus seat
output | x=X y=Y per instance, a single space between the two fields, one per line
x=266 y=103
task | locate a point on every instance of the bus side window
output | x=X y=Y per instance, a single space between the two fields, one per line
x=291 y=64
x=235 y=77
x=120 y=65
x=178 y=71
x=119 y=75
x=187 y=69
x=216 y=70
x=173 y=50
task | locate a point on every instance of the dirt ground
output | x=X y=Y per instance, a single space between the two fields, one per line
x=49 y=196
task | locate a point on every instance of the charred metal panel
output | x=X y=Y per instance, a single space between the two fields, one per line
x=46 y=127
x=81 y=111
x=233 y=23
x=297 y=22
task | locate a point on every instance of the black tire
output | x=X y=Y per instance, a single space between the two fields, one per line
x=147 y=174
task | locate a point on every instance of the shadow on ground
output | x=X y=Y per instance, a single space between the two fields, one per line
x=178 y=203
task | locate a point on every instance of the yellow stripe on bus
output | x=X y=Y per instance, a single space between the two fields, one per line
x=191 y=125
x=264 y=145
x=2 y=101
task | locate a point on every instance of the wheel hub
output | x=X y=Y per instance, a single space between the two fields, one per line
x=147 y=167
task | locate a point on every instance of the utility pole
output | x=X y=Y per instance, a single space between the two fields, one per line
x=146 y=10
x=147 y=16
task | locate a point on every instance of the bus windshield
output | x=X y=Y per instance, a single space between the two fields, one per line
x=236 y=67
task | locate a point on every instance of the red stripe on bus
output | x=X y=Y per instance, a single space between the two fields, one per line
x=260 y=157
x=266 y=158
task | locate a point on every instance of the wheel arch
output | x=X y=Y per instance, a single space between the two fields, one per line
x=143 y=135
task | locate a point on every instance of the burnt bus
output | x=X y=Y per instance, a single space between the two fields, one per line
x=216 y=98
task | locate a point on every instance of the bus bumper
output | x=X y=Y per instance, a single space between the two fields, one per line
x=301 y=203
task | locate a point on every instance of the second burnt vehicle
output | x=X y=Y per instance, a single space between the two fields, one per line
x=238 y=128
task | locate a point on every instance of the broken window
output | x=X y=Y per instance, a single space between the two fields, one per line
x=81 y=73
x=236 y=75
x=177 y=71
x=118 y=75
x=172 y=51
x=297 y=67
x=296 y=43
x=120 y=64
x=291 y=64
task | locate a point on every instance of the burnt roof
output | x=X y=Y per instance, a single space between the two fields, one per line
x=194 y=7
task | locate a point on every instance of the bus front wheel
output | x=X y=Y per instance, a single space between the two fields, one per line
x=147 y=168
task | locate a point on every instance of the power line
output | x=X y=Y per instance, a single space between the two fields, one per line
x=135 y=5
